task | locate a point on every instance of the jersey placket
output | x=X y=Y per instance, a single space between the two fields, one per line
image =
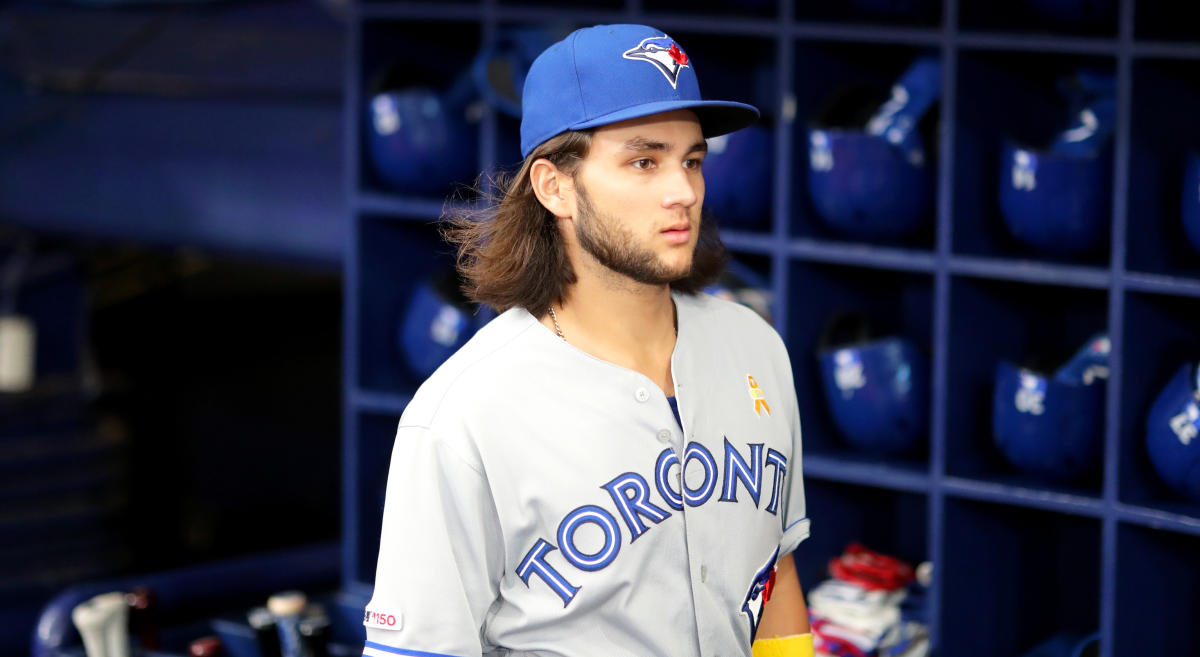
x=698 y=571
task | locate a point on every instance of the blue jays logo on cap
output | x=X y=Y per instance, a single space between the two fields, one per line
x=663 y=53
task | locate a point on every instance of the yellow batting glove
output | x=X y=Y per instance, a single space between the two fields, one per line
x=797 y=645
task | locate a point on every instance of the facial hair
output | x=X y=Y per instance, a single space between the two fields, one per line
x=614 y=247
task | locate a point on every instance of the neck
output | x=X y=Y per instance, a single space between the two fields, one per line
x=621 y=321
x=629 y=313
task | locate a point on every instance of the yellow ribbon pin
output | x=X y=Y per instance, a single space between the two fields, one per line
x=756 y=393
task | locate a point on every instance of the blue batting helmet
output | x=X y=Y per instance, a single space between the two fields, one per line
x=737 y=171
x=436 y=322
x=877 y=389
x=1052 y=426
x=1173 y=432
x=420 y=141
x=500 y=68
x=1056 y=199
x=874 y=179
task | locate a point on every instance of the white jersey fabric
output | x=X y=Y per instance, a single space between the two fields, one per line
x=535 y=503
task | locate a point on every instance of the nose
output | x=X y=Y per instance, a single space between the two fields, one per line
x=684 y=188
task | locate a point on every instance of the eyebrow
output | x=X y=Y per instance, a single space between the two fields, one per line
x=640 y=144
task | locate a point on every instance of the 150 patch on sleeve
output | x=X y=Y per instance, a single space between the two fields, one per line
x=383 y=620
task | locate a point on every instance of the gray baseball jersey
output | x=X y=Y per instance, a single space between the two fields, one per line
x=542 y=501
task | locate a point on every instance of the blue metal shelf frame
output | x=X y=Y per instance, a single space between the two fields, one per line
x=782 y=247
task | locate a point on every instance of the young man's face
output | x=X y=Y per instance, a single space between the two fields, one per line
x=639 y=194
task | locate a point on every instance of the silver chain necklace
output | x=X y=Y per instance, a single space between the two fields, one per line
x=556 y=328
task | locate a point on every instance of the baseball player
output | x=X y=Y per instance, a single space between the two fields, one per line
x=611 y=466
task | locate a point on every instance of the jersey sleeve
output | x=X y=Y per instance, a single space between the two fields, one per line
x=440 y=553
x=795 y=510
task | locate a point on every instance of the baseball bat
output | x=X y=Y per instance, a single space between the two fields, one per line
x=141 y=617
x=287 y=608
x=314 y=634
x=263 y=624
x=101 y=622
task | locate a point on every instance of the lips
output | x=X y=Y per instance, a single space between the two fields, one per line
x=678 y=234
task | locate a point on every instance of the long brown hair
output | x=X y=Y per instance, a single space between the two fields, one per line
x=510 y=250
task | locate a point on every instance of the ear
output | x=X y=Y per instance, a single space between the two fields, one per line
x=554 y=189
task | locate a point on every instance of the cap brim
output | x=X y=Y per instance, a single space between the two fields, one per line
x=717 y=117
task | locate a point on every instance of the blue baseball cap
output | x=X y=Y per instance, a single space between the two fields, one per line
x=608 y=73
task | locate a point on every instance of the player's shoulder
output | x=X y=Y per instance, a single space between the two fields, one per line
x=489 y=363
x=718 y=320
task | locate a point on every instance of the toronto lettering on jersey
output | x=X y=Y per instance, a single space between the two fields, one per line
x=631 y=497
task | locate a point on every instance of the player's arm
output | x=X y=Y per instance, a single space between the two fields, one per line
x=784 y=630
x=785 y=613
x=440 y=553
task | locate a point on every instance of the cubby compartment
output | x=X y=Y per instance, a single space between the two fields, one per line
x=895 y=305
x=1160 y=337
x=424 y=141
x=1096 y=18
x=1012 y=578
x=1164 y=133
x=1014 y=99
x=997 y=321
x=908 y=13
x=376 y=435
x=886 y=521
x=718 y=8
x=840 y=174
x=1157 y=593
x=600 y=5
x=1166 y=20
x=510 y=51
x=395 y=259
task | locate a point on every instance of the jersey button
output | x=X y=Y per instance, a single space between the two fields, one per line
x=703 y=573
x=641 y=394
x=664 y=436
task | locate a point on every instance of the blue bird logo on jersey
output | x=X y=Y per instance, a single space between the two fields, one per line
x=663 y=53
x=760 y=592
